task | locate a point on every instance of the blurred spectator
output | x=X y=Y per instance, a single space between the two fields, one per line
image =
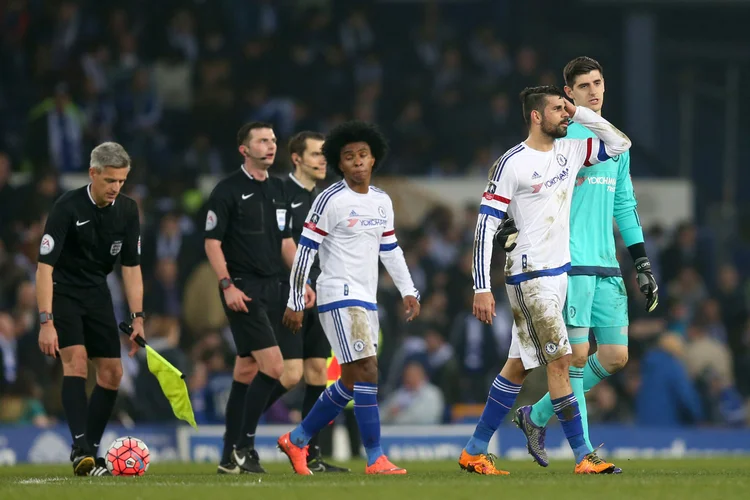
x=666 y=396
x=54 y=137
x=416 y=402
x=684 y=252
x=8 y=352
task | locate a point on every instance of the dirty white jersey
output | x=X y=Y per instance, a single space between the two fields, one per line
x=350 y=231
x=535 y=188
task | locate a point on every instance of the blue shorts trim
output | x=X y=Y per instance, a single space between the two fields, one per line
x=340 y=304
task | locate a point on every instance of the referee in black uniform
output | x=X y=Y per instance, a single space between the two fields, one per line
x=86 y=231
x=248 y=242
x=305 y=353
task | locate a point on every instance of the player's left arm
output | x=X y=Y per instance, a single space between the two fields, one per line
x=609 y=141
x=393 y=259
x=131 y=273
x=629 y=224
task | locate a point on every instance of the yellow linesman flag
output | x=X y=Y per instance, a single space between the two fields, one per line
x=171 y=380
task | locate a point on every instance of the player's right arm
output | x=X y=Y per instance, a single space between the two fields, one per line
x=316 y=228
x=492 y=210
x=609 y=141
x=220 y=206
x=56 y=229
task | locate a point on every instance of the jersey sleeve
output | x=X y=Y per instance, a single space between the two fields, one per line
x=393 y=259
x=56 y=229
x=316 y=228
x=625 y=210
x=131 y=249
x=609 y=141
x=219 y=208
x=495 y=200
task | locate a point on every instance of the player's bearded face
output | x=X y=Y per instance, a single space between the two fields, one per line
x=356 y=162
x=554 y=124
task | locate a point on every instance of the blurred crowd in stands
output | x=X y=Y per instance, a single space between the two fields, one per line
x=172 y=81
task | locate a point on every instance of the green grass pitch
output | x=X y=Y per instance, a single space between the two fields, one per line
x=711 y=478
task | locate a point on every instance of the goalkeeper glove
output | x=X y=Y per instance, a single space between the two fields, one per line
x=647 y=283
x=507 y=234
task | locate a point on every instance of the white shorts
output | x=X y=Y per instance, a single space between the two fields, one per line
x=539 y=334
x=352 y=332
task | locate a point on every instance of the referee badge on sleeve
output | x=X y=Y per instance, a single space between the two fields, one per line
x=47 y=244
x=115 y=248
x=211 y=220
x=281 y=218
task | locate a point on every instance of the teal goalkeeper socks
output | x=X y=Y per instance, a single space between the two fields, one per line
x=542 y=411
x=593 y=373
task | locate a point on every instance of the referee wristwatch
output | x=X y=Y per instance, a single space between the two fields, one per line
x=225 y=283
x=45 y=317
x=137 y=315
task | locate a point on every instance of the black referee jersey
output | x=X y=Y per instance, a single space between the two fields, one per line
x=249 y=217
x=82 y=241
x=300 y=200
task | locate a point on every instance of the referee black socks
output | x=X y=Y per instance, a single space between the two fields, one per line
x=257 y=395
x=75 y=407
x=276 y=394
x=235 y=409
x=100 y=410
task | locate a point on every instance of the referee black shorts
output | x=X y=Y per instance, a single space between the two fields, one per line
x=310 y=341
x=86 y=316
x=255 y=329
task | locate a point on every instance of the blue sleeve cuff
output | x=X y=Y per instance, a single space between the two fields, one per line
x=493 y=212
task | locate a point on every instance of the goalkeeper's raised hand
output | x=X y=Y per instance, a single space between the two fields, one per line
x=507 y=234
x=647 y=283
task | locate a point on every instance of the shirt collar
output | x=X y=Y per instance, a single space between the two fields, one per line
x=242 y=167
x=297 y=182
x=88 y=192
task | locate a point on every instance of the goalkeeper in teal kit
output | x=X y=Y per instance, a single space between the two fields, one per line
x=596 y=297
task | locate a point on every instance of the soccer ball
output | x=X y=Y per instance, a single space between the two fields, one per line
x=127 y=456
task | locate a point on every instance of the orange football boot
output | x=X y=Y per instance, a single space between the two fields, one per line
x=592 y=464
x=297 y=456
x=384 y=466
x=480 y=464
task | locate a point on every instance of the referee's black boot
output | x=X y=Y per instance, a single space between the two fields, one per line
x=100 y=469
x=248 y=460
x=83 y=461
x=316 y=463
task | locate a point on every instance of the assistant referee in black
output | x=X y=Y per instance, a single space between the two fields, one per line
x=87 y=230
x=248 y=243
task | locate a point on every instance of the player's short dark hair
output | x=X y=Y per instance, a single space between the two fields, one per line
x=298 y=142
x=535 y=98
x=580 y=66
x=354 y=131
x=244 y=130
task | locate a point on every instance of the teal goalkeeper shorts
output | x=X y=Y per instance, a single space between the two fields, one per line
x=600 y=303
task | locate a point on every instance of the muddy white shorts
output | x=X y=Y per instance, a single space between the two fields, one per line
x=539 y=334
x=352 y=332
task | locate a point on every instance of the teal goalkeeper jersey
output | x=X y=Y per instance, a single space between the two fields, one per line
x=602 y=193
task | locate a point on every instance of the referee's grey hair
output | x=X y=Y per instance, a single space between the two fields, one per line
x=109 y=154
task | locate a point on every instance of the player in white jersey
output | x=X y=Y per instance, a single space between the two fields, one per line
x=350 y=224
x=533 y=184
